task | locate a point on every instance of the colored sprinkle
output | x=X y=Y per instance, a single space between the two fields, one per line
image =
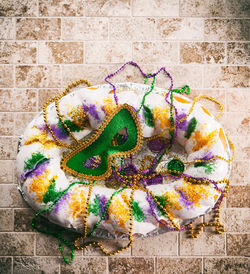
x=191 y=127
x=175 y=165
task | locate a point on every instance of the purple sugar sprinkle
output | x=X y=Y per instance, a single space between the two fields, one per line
x=38 y=169
x=157 y=145
x=155 y=180
x=184 y=199
x=62 y=202
x=184 y=124
x=103 y=202
x=91 y=109
x=207 y=156
x=59 y=133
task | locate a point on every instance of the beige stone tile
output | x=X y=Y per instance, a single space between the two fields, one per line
x=241 y=147
x=136 y=265
x=6 y=171
x=8 y=148
x=238 y=100
x=7 y=28
x=179 y=29
x=95 y=74
x=237 y=8
x=236 y=123
x=132 y=29
x=18 y=99
x=7 y=124
x=182 y=75
x=36 y=265
x=202 y=53
x=226 y=265
x=226 y=76
x=16 y=244
x=61 y=8
x=47 y=245
x=179 y=265
x=6 y=265
x=10 y=197
x=60 y=52
x=238 y=196
x=238 y=53
x=6 y=220
x=41 y=76
x=18 y=8
x=202 y=8
x=155 y=8
x=240 y=172
x=165 y=244
x=155 y=52
x=38 y=28
x=238 y=244
x=6 y=76
x=90 y=28
x=107 y=52
x=85 y=265
x=236 y=219
x=108 y=8
x=21 y=122
x=23 y=220
x=17 y=52
x=226 y=29
x=45 y=94
x=206 y=244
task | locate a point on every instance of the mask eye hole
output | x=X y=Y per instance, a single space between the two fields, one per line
x=92 y=162
x=120 y=138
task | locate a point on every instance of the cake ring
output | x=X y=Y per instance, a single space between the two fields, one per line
x=123 y=162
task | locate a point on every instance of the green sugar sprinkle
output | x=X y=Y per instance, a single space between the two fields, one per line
x=191 y=127
x=137 y=212
x=71 y=125
x=51 y=195
x=36 y=158
x=148 y=116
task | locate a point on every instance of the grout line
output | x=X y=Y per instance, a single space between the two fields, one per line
x=179 y=243
x=107 y=265
x=35 y=241
x=37 y=7
x=155 y=265
x=123 y=41
x=179 y=53
x=203 y=77
x=136 y=16
x=226 y=248
x=202 y=265
x=226 y=57
x=12 y=265
x=14 y=21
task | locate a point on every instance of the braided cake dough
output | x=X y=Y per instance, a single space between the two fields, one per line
x=199 y=136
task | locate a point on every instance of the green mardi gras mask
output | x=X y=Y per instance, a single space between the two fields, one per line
x=100 y=144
